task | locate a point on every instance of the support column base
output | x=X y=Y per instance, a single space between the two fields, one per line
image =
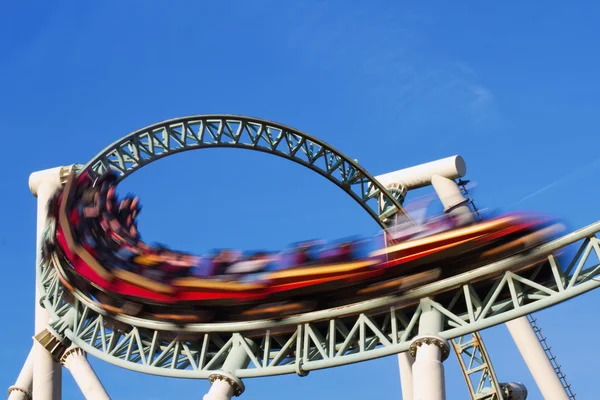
x=52 y=343
x=236 y=383
x=71 y=350
x=437 y=341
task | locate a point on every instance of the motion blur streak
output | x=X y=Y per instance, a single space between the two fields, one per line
x=96 y=232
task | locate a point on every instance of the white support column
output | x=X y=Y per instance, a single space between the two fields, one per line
x=224 y=384
x=429 y=351
x=420 y=175
x=47 y=373
x=535 y=357
x=75 y=361
x=21 y=390
x=453 y=200
x=405 y=362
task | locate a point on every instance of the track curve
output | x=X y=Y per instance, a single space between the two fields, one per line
x=328 y=338
x=149 y=144
x=470 y=301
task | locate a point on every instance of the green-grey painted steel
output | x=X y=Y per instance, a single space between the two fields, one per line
x=154 y=142
x=334 y=337
x=477 y=368
x=299 y=344
x=471 y=354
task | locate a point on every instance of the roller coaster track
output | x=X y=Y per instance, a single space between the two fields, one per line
x=472 y=356
x=477 y=367
x=149 y=144
x=472 y=301
x=333 y=337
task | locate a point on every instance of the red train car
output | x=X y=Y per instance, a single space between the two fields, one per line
x=191 y=299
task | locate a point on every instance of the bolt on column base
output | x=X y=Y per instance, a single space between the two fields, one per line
x=429 y=340
x=237 y=385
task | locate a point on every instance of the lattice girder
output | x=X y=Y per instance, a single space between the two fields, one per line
x=477 y=368
x=149 y=144
x=333 y=337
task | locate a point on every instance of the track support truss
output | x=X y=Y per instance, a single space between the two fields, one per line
x=324 y=339
x=226 y=353
x=205 y=131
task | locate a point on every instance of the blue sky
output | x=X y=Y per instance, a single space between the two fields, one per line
x=510 y=86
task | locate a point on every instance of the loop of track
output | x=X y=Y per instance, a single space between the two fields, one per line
x=470 y=302
x=140 y=148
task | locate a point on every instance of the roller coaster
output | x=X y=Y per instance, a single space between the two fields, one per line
x=170 y=313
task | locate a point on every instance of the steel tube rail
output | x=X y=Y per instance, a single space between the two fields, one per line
x=409 y=297
x=380 y=338
x=316 y=340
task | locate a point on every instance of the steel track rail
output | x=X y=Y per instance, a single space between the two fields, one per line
x=476 y=367
x=149 y=144
x=334 y=337
x=312 y=341
x=409 y=297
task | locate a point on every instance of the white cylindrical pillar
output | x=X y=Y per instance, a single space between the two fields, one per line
x=428 y=374
x=220 y=390
x=21 y=390
x=452 y=199
x=47 y=374
x=224 y=383
x=429 y=352
x=420 y=175
x=405 y=362
x=536 y=359
x=85 y=377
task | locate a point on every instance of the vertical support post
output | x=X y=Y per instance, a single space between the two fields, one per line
x=405 y=362
x=533 y=353
x=47 y=373
x=21 y=390
x=429 y=351
x=224 y=384
x=452 y=199
x=75 y=361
